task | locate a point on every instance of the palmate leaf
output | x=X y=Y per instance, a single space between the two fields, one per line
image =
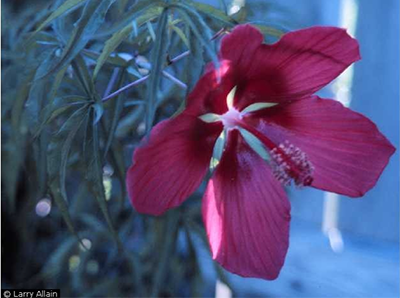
x=57 y=108
x=157 y=60
x=83 y=75
x=90 y=21
x=146 y=14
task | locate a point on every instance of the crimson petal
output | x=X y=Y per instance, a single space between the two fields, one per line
x=346 y=148
x=171 y=164
x=299 y=64
x=246 y=213
x=209 y=94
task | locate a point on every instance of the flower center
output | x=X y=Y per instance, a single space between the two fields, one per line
x=231 y=119
x=287 y=161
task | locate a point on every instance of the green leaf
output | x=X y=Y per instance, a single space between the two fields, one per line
x=157 y=60
x=268 y=30
x=58 y=258
x=151 y=31
x=181 y=35
x=148 y=13
x=118 y=163
x=41 y=163
x=53 y=171
x=98 y=112
x=90 y=21
x=117 y=109
x=63 y=208
x=194 y=63
x=109 y=47
x=194 y=267
x=64 y=8
x=113 y=61
x=20 y=100
x=212 y=12
x=52 y=111
x=95 y=176
x=56 y=83
x=135 y=266
x=169 y=235
x=137 y=10
x=194 y=227
x=201 y=31
x=65 y=153
x=83 y=75
x=66 y=124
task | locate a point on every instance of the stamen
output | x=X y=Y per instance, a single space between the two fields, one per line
x=289 y=162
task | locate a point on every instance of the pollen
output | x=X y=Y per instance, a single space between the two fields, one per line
x=291 y=163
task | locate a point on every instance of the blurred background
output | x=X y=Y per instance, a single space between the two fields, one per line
x=339 y=247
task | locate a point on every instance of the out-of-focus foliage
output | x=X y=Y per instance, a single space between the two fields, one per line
x=64 y=142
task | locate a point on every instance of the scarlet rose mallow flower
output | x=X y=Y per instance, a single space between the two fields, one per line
x=276 y=132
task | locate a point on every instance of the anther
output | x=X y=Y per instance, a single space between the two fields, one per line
x=291 y=163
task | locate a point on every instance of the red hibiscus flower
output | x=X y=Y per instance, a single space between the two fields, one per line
x=276 y=133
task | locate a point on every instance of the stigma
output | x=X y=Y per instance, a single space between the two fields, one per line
x=231 y=119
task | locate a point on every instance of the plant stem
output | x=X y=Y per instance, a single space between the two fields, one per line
x=130 y=85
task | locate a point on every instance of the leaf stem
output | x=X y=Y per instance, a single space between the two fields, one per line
x=107 y=96
x=179 y=57
x=130 y=85
x=111 y=82
x=175 y=80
